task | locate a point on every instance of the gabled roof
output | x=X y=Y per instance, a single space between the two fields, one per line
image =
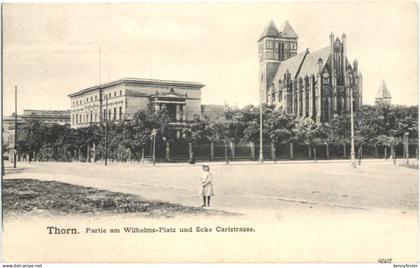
x=310 y=64
x=287 y=31
x=170 y=94
x=383 y=92
x=292 y=64
x=270 y=31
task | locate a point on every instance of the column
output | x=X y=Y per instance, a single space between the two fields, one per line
x=184 y=113
x=177 y=112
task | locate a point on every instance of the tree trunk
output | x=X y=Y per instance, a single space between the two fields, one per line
x=273 y=151
x=291 y=151
x=309 y=152
x=142 y=155
x=252 y=146
x=88 y=153
x=344 y=151
x=211 y=151
x=385 y=152
x=168 y=151
x=327 y=151
x=226 y=155
x=232 y=150
x=190 y=151
x=360 y=154
x=314 y=153
x=376 y=151
x=393 y=155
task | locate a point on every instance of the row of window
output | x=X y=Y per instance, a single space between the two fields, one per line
x=95 y=98
x=113 y=114
x=292 y=45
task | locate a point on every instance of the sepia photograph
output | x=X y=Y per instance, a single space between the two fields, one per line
x=210 y=132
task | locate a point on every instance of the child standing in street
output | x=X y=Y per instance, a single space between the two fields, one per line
x=206 y=188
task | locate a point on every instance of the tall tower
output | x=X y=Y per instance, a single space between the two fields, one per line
x=383 y=95
x=274 y=46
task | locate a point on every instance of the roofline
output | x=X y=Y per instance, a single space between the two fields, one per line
x=140 y=81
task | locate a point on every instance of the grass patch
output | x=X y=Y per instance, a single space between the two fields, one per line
x=34 y=197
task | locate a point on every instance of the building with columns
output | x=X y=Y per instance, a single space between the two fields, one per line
x=315 y=84
x=121 y=99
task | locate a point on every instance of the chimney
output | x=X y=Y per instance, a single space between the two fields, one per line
x=332 y=52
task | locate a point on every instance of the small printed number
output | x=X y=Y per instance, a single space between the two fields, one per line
x=382 y=260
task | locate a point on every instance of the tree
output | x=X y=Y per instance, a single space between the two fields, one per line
x=309 y=133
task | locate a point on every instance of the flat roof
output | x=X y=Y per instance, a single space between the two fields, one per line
x=142 y=81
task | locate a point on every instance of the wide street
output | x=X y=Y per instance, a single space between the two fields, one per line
x=301 y=211
x=242 y=187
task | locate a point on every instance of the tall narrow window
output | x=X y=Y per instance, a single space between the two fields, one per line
x=115 y=113
x=120 y=113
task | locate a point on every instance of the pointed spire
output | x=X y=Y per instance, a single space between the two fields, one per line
x=270 y=31
x=287 y=30
x=383 y=91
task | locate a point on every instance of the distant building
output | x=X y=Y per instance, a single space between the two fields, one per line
x=121 y=99
x=383 y=95
x=61 y=117
x=306 y=84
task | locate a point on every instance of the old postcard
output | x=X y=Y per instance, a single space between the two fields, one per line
x=282 y=132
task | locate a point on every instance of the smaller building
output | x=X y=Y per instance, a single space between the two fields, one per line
x=383 y=95
x=61 y=117
x=50 y=117
x=121 y=99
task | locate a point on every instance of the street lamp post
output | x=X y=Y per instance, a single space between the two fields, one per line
x=106 y=130
x=15 y=138
x=353 y=160
x=261 y=158
x=154 y=146
x=406 y=147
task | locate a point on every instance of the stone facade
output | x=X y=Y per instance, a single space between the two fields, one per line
x=315 y=85
x=121 y=99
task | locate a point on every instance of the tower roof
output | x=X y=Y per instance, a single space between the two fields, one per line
x=383 y=92
x=287 y=30
x=270 y=31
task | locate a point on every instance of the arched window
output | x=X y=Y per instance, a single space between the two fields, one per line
x=326 y=78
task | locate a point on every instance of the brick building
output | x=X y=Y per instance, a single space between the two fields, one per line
x=306 y=84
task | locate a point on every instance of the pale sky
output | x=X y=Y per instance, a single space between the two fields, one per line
x=51 y=50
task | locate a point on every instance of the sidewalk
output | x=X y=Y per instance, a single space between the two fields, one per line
x=20 y=165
